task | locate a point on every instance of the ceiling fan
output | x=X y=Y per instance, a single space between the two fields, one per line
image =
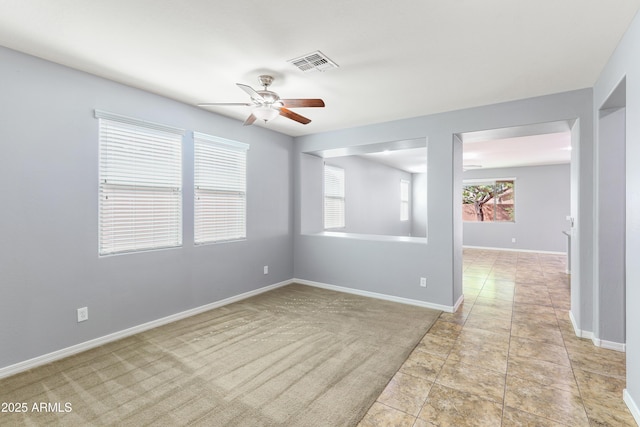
x=267 y=105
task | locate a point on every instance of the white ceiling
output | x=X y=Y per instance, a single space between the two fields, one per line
x=412 y=160
x=397 y=59
x=534 y=150
x=490 y=153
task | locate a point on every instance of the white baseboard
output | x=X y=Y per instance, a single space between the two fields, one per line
x=513 y=250
x=78 y=348
x=458 y=303
x=579 y=332
x=446 y=308
x=633 y=407
x=610 y=345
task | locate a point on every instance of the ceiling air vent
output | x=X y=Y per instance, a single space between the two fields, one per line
x=316 y=61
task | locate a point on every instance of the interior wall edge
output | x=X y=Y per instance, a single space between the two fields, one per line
x=490 y=248
x=631 y=404
x=579 y=332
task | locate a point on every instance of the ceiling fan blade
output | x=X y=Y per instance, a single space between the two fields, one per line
x=249 y=120
x=252 y=93
x=294 y=116
x=213 y=104
x=301 y=103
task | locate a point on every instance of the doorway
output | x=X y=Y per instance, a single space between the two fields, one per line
x=517 y=187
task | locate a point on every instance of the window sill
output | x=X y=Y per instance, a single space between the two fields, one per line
x=370 y=237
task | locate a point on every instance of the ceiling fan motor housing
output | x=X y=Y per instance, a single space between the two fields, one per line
x=270 y=98
x=265 y=80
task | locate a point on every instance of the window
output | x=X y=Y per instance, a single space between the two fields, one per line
x=220 y=181
x=140 y=185
x=333 y=197
x=488 y=201
x=404 y=200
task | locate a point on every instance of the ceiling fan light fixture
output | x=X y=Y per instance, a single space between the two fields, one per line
x=264 y=112
x=266 y=105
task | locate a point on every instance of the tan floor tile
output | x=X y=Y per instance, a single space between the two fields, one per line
x=487 y=355
x=528 y=348
x=422 y=423
x=445 y=329
x=448 y=407
x=482 y=337
x=608 y=415
x=537 y=299
x=527 y=279
x=471 y=294
x=472 y=379
x=566 y=329
x=548 y=402
x=563 y=304
x=538 y=332
x=499 y=284
x=557 y=302
x=477 y=272
x=593 y=386
x=498 y=293
x=502 y=312
x=542 y=372
x=500 y=265
x=501 y=275
x=594 y=359
x=513 y=332
x=488 y=323
x=515 y=418
x=458 y=318
x=406 y=393
x=436 y=345
x=602 y=397
x=544 y=319
x=422 y=365
x=470 y=282
x=532 y=308
x=380 y=415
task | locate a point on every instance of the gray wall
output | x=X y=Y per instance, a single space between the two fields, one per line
x=610 y=235
x=395 y=268
x=49 y=263
x=624 y=63
x=372 y=196
x=419 y=206
x=542 y=203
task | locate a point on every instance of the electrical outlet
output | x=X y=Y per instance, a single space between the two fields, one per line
x=423 y=282
x=513 y=240
x=83 y=314
x=266 y=269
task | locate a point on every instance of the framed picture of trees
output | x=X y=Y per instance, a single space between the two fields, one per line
x=488 y=200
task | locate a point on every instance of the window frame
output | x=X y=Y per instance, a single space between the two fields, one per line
x=493 y=181
x=140 y=203
x=405 y=202
x=227 y=188
x=339 y=197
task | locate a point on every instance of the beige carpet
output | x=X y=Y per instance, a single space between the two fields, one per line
x=294 y=356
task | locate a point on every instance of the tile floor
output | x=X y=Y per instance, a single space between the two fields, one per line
x=508 y=357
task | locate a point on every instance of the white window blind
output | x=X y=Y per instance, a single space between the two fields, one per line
x=333 y=197
x=140 y=185
x=220 y=189
x=404 y=200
